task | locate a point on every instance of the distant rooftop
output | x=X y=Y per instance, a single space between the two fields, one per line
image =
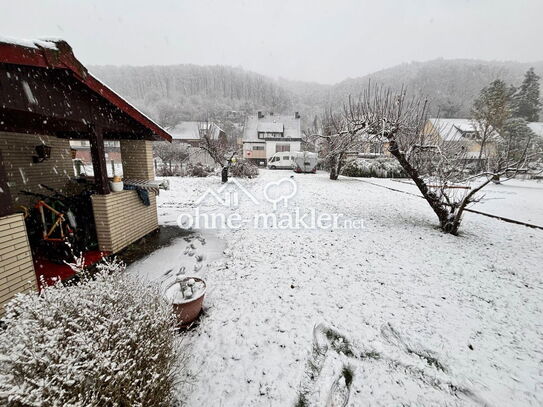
x=289 y=125
x=190 y=130
x=185 y=131
x=453 y=129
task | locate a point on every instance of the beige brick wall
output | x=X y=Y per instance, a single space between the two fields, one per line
x=22 y=173
x=16 y=267
x=121 y=219
x=137 y=158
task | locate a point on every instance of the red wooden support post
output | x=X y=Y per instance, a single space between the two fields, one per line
x=98 y=154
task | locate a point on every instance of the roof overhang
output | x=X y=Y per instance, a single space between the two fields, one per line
x=57 y=54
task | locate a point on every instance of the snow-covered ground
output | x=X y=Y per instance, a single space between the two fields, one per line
x=394 y=313
x=514 y=199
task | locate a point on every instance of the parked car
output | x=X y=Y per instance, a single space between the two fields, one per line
x=304 y=161
x=281 y=161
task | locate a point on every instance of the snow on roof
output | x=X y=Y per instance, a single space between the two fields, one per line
x=537 y=128
x=289 y=125
x=190 y=130
x=185 y=131
x=270 y=127
x=453 y=129
x=49 y=43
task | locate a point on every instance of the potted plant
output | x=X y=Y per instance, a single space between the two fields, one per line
x=187 y=297
x=117 y=184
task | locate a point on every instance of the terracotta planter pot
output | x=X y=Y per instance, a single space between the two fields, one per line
x=187 y=311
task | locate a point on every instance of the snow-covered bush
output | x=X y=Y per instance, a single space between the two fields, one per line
x=199 y=170
x=376 y=167
x=244 y=169
x=107 y=341
x=169 y=171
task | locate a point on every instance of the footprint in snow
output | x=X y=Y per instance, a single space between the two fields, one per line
x=340 y=389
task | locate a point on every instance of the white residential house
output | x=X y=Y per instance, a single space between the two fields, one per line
x=267 y=134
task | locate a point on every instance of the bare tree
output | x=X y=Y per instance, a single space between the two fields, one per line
x=170 y=153
x=214 y=141
x=335 y=141
x=438 y=170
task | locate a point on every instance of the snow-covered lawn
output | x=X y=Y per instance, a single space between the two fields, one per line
x=413 y=315
x=514 y=199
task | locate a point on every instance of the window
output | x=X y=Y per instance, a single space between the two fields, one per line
x=281 y=148
x=258 y=148
x=268 y=134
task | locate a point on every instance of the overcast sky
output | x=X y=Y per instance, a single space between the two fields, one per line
x=322 y=41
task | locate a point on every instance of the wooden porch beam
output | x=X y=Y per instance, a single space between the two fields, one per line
x=98 y=154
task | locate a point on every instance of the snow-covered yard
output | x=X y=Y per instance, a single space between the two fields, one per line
x=394 y=313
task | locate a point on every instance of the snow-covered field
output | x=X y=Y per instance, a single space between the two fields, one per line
x=396 y=313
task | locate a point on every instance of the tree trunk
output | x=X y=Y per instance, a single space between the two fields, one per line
x=340 y=163
x=439 y=208
x=333 y=168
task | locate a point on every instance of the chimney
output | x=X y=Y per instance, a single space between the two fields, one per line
x=296 y=115
x=260 y=115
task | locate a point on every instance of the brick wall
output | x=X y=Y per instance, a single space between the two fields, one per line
x=16 y=267
x=121 y=219
x=137 y=157
x=22 y=173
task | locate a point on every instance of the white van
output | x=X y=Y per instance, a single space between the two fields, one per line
x=283 y=161
x=304 y=161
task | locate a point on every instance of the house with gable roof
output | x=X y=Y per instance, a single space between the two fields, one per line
x=267 y=134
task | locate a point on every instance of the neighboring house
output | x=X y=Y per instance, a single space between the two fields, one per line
x=264 y=135
x=537 y=128
x=461 y=135
x=191 y=134
x=48 y=98
x=81 y=155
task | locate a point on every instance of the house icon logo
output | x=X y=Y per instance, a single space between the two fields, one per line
x=228 y=194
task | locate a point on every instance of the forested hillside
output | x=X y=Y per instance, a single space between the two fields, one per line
x=450 y=85
x=190 y=92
